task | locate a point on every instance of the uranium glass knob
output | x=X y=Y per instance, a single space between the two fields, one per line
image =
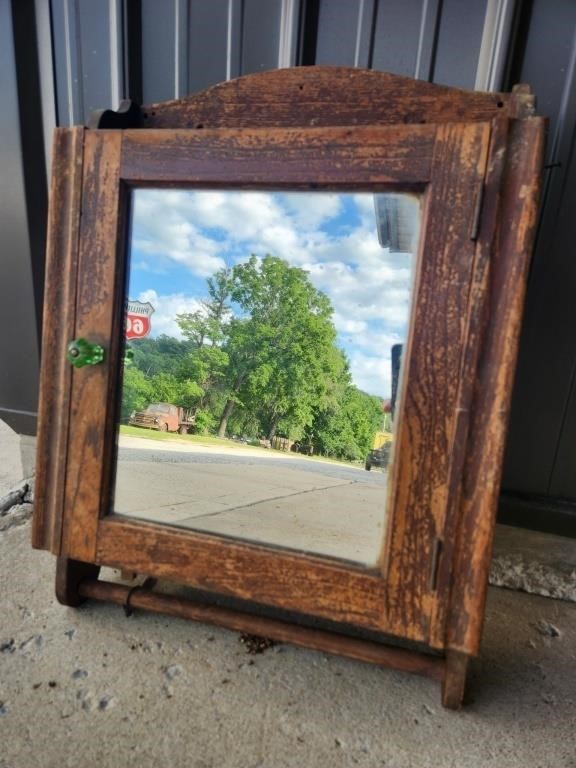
x=81 y=352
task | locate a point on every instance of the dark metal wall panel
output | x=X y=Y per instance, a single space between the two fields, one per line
x=88 y=57
x=458 y=44
x=397 y=36
x=158 y=45
x=213 y=43
x=542 y=436
x=563 y=480
x=104 y=50
x=260 y=35
x=429 y=39
x=18 y=312
x=189 y=45
x=544 y=60
x=345 y=32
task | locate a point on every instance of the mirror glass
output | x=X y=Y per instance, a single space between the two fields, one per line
x=264 y=336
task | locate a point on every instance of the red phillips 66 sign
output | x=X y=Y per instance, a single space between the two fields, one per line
x=138 y=319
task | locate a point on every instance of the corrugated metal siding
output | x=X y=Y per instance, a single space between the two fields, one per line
x=184 y=46
x=88 y=57
x=458 y=43
x=20 y=243
x=431 y=40
x=541 y=453
x=188 y=45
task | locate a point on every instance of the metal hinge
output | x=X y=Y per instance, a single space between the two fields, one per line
x=475 y=228
x=435 y=563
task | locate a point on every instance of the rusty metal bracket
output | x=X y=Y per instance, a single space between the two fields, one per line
x=147 y=586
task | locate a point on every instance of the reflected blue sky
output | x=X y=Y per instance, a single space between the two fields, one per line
x=181 y=237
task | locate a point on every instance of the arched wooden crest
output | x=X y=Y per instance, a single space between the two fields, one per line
x=319 y=96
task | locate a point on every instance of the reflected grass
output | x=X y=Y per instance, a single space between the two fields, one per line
x=153 y=434
x=211 y=440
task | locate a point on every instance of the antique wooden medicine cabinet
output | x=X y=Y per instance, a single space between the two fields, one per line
x=391 y=223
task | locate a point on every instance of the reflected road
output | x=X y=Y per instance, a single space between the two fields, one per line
x=259 y=495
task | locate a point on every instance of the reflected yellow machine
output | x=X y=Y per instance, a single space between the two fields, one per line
x=379 y=456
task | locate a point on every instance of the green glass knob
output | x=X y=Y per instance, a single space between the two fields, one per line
x=81 y=352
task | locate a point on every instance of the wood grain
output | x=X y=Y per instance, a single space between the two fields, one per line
x=99 y=259
x=69 y=575
x=426 y=425
x=313 y=585
x=476 y=318
x=324 y=96
x=58 y=328
x=454 y=681
x=481 y=482
x=320 y=640
x=293 y=156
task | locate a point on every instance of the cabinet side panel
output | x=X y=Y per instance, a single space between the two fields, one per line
x=475 y=329
x=481 y=485
x=58 y=325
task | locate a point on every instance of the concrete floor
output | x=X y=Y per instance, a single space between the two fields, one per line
x=89 y=687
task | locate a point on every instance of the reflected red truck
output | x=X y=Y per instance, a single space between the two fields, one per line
x=164 y=417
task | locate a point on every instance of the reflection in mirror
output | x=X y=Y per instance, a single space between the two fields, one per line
x=264 y=344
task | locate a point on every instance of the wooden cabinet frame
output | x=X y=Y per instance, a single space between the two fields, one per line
x=476 y=158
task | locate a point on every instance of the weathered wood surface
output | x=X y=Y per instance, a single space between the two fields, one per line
x=320 y=640
x=323 y=96
x=518 y=217
x=99 y=262
x=454 y=680
x=293 y=156
x=454 y=165
x=69 y=575
x=426 y=425
x=58 y=330
x=476 y=318
x=320 y=587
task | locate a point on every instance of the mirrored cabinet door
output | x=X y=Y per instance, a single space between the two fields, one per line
x=264 y=337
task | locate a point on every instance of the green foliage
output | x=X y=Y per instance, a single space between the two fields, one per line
x=346 y=430
x=259 y=357
x=136 y=392
x=280 y=346
x=205 y=422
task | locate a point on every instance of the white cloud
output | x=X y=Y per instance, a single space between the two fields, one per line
x=371 y=373
x=166 y=307
x=346 y=325
x=163 y=233
x=311 y=211
x=369 y=286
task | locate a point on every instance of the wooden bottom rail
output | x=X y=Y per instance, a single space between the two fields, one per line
x=319 y=640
